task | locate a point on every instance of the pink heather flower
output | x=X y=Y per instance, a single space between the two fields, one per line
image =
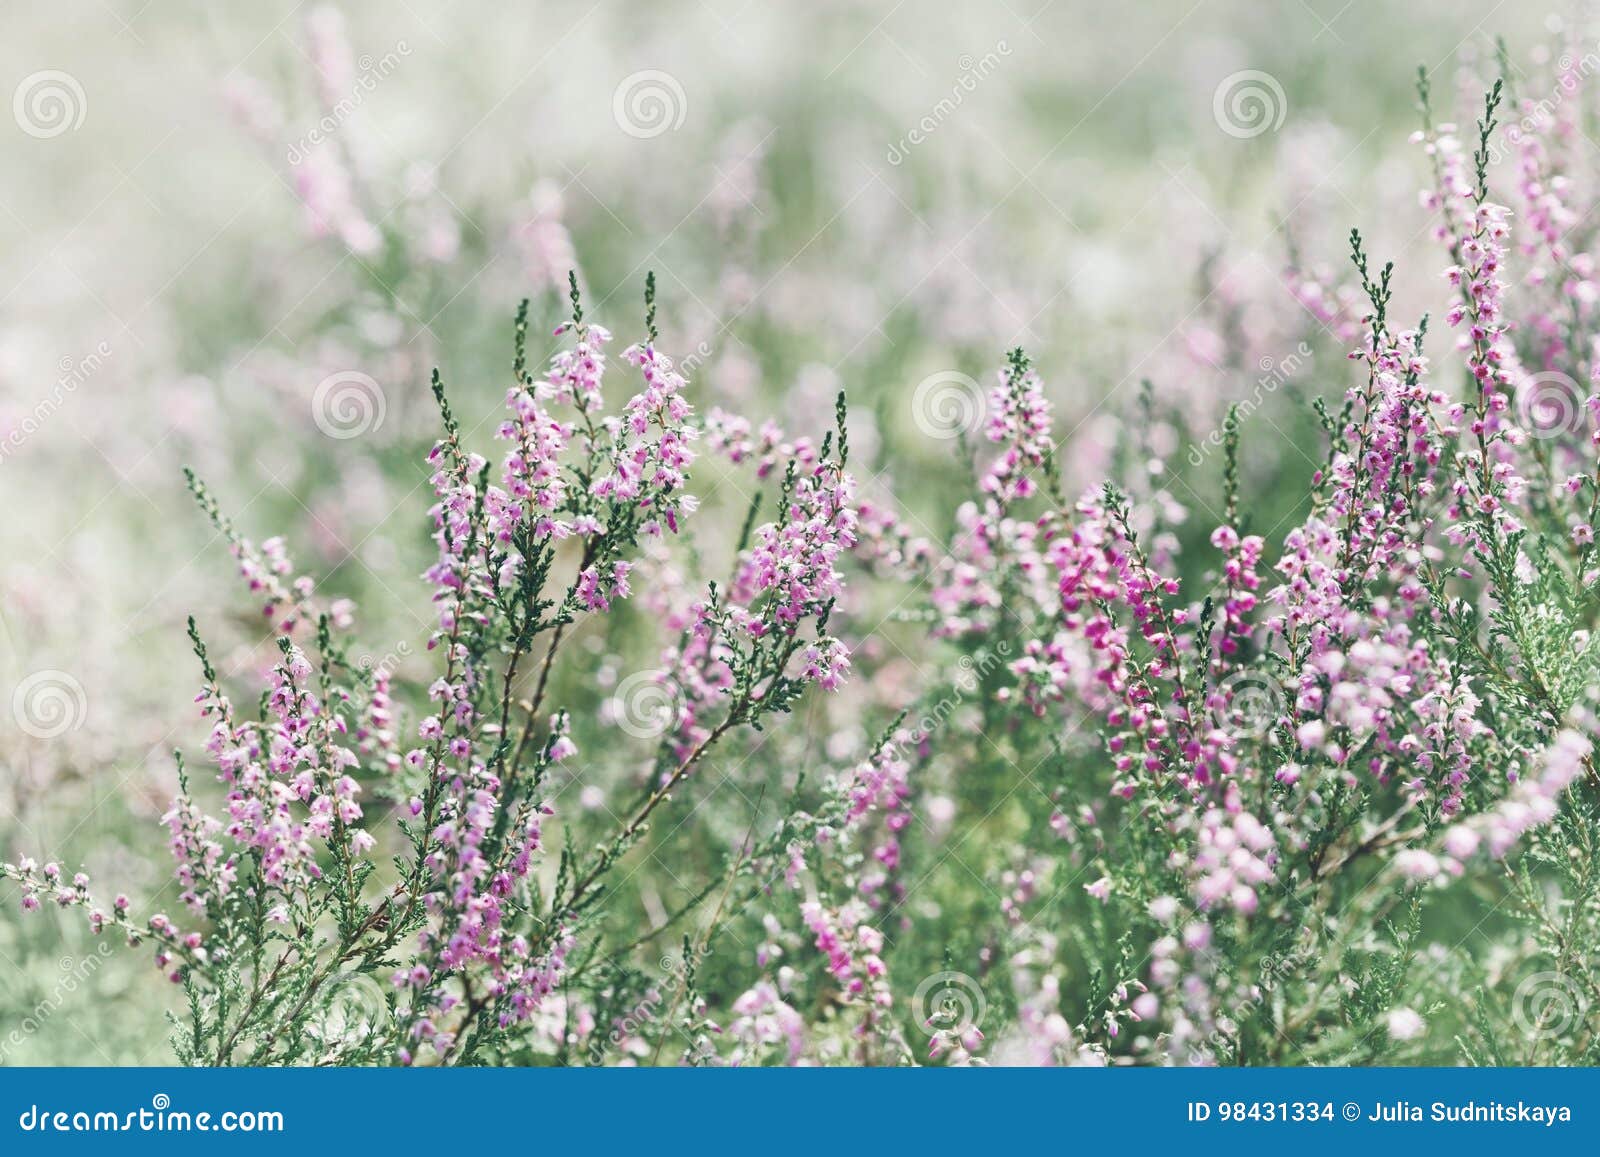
x=796 y=558
x=590 y=593
x=1019 y=420
x=763 y=1019
x=1197 y=936
x=1310 y=734
x=542 y=239
x=562 y=746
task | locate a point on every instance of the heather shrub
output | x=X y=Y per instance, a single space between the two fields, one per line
x=718 y=753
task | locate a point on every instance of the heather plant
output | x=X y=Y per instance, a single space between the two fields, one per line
x=1106 y=775
x=297 y=924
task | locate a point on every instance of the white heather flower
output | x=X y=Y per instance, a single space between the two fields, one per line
x=1417 y=864
x=1405 y=1024
x=1461 y=841
x=1163 y=909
